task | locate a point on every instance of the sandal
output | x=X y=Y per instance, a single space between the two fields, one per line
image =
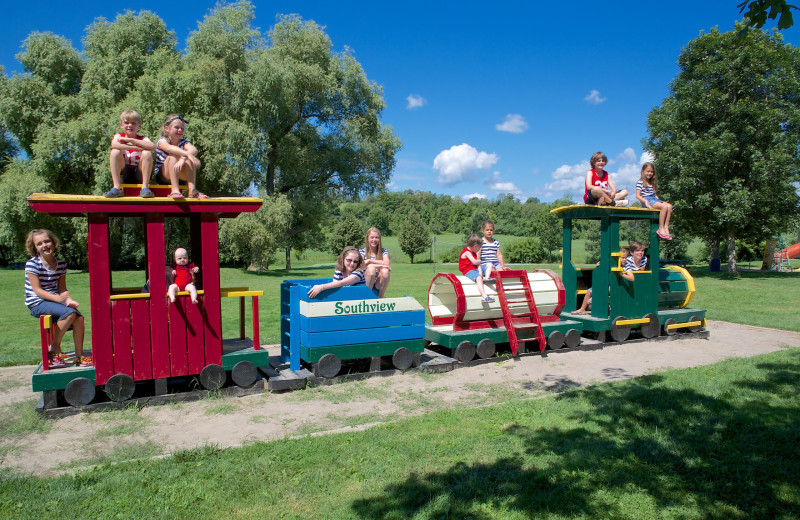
x=198 y=195
x=488 y=299
x=663 y=236
x=56 y=360
x=175 y=195
x=83 y=361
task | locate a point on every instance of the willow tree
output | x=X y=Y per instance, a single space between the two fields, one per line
x=726 y=140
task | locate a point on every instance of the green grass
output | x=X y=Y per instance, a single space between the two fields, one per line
x=718 y=441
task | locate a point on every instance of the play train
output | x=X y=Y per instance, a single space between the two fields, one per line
x=139 y=339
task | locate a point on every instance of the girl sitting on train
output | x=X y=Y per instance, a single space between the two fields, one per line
x=176 y=158
x=349 y=271
x=376 y=260
x=46 y=293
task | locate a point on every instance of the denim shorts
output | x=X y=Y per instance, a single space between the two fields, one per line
x=651 y=199
x=473 y=275
x=58 y=310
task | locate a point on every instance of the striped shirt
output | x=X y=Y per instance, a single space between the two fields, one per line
x=338 y=275
x=48 y=280
x=647 y=191
x=161 y=155
x=363 y=252
x=489 y=251
x=631 y=266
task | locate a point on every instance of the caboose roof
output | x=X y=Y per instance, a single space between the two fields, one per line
x=589 y=212
x=77 y=205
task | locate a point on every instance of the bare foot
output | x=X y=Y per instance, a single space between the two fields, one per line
x=578 y=312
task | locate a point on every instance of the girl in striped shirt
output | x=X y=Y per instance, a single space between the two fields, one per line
x=46 y=293
x=646 y=193
x=349 y=271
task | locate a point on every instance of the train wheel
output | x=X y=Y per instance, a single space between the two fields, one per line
x=667 y=330
x=696 y=328
x=555 y=340
x=120 y=387
x=402 y=359
x=573 y=338
x=80 y=391
x=244 y=373
x=486 y=348
x=620 y=332
x=212 y=377
x=465 y=351
x=329 y=365
x=651 y=329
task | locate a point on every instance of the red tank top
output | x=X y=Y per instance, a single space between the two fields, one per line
x=596 y=181
x=464 y=265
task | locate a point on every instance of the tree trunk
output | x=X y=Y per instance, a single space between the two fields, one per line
x=714 y=249
x=731 y=254
x=288 y=258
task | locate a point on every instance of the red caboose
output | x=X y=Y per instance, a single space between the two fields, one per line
x=140 y=336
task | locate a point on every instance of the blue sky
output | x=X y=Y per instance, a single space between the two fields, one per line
x=488 y=98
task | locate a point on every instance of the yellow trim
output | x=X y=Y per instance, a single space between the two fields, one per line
x=48 y=321
x=633 y=322
x=582 y=292
x=236 y=294
x=585 y=268
x=61 y=197
x=686 y=325
x=604 y=207
x=137 y=296
x=141 y=296
x=689 y=283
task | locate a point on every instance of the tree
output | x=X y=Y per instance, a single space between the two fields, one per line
x=347 y=232
x=759 y=10
x=255 y=237
x=414 y=237
x=726 y=139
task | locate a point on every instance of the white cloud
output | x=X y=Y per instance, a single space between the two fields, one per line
x=415 y=101
x=473 y=196
x=514 y=124
x=496 y=184
x=459 y=163
x=594 y=97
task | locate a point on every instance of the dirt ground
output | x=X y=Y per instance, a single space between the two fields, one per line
x=154 y=431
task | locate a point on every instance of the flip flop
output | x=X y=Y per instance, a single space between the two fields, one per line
x=663 y=236
x=175 y=195
x=198 y=195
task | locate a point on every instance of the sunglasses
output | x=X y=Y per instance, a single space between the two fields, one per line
x=179 y=116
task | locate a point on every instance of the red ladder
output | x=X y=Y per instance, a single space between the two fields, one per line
x=525 y=320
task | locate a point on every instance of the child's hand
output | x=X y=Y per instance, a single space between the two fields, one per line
x=195 y=269
x=72 y=303
x=174 y=273
x=314 y=291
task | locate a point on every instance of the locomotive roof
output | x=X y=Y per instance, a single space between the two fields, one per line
x=589 y=212
x=68 y=205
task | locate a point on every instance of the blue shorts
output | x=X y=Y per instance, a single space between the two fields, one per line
x=473 y=275
x=651 y=199
x=57 y=310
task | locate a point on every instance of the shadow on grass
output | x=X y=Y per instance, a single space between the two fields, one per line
x=638 y=449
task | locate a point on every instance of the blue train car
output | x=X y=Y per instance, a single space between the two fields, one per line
x=347 y=323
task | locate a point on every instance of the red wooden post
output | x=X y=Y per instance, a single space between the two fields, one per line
x=177 y=336
x=256 y=339
x=140 y=314
x=211 y=299
x=122 y=345
x=99 y=296
x=195 y=336
x=159 y=334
